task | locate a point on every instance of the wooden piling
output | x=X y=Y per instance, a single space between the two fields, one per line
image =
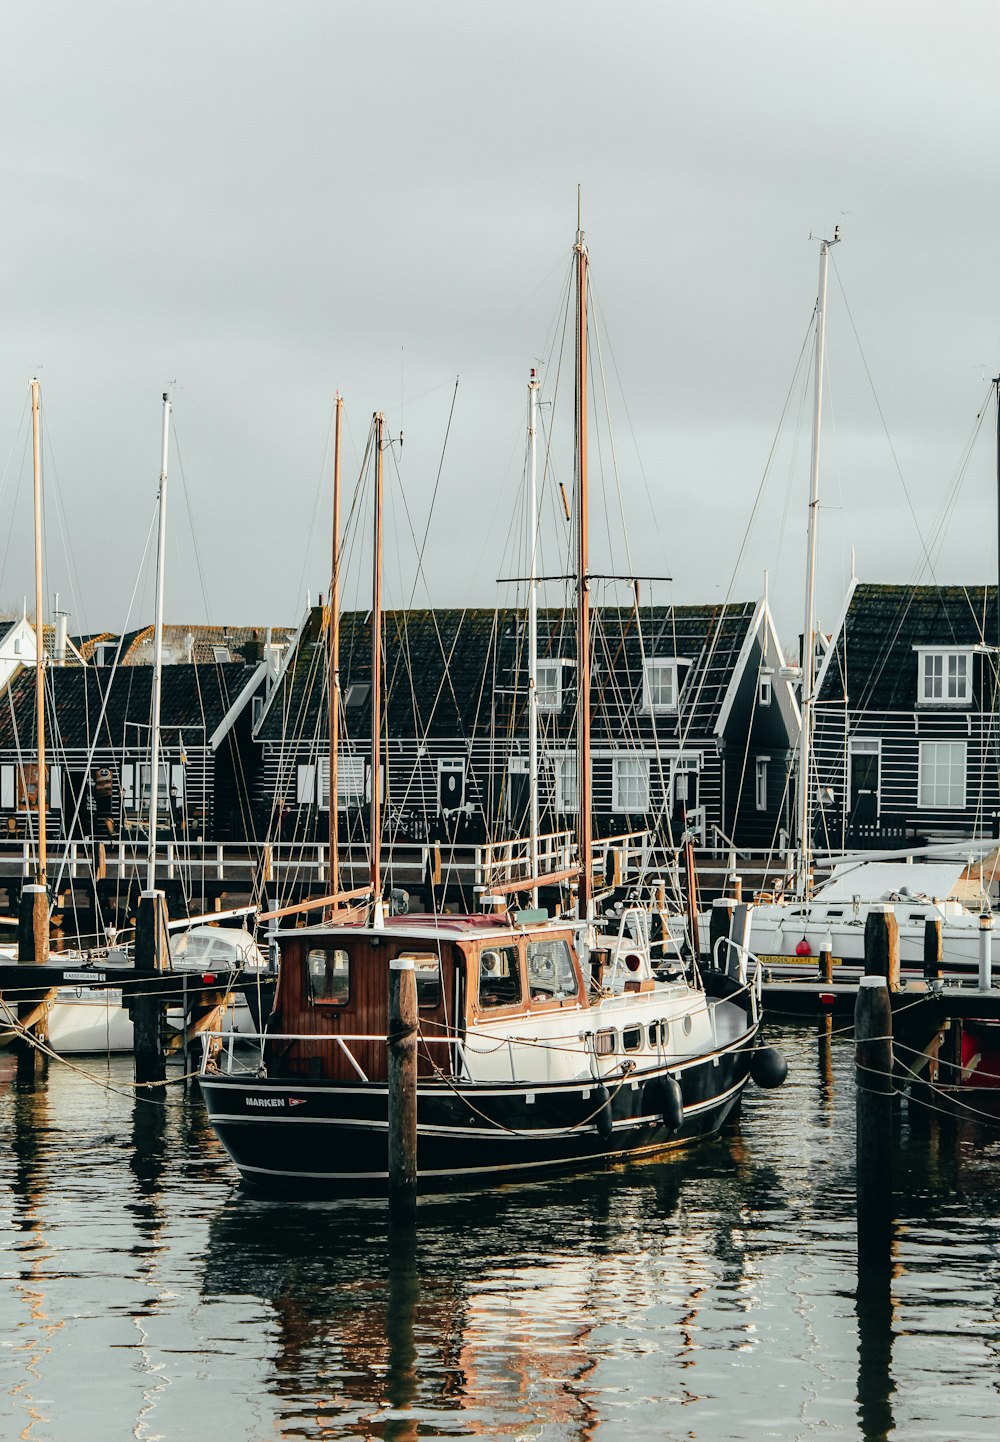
x=882 y=944
x=826 y=960
x=874 y=1105
x=933 y=948
x=401 y=1040
x=32 y=949
x=152 y=955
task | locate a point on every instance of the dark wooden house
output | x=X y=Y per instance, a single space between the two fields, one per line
x=693 y=719
x=906 y=743
x=98 y=750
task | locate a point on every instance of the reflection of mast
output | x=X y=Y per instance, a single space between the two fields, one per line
x=585 y=824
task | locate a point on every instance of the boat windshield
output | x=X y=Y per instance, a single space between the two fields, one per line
x=427 y=970
x=551 y=975
x=499 y=977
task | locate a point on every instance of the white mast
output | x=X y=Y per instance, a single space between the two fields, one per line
x=42 y=799
x=533 y=632
x=808 y=630
x=161 y=543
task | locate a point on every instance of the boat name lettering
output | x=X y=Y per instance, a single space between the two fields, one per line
x=84 y=976
x=265 y=1101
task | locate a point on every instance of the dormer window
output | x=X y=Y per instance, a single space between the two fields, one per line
x=659 y=686
x=549 y=685
x=944 y=677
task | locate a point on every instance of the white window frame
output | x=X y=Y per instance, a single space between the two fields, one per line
x=653 y=687
x=865 y=746
x=626 y=768
x=944 y=669
x=928 y=770
x=8 y=787
x=566 y=795
x=765 y=688
x=221 y=655
x=352 y=781
x=549 y=692
x=760 y=782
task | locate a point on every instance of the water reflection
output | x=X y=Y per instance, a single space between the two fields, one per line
x=713 y=1296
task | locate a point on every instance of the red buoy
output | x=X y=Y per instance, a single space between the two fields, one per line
x=803 y=948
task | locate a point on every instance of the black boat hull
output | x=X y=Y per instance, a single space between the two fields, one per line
x=331 y=1138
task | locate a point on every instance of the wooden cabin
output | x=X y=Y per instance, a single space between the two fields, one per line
x=906 y=742
x=470 y=972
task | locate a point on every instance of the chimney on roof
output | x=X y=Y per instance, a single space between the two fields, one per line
x=62 y=631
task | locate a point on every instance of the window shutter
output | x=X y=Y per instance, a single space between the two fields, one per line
x=7 y=788
x=55 y=788
x=306 y=789
x=128 y=786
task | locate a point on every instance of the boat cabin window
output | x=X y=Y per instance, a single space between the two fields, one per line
x=427 y=970
x=632 y=1038
x=551 y=974
x=499 y=976
x=329 y=970
x=605 y=1042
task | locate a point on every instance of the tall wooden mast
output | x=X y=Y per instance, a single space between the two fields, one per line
x=585 y=824
x=155 y=739
x=376 y=756
x=809 y=627
x=36 y=446
x=335 y=660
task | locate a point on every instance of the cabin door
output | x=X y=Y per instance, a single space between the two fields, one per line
x=864 y=783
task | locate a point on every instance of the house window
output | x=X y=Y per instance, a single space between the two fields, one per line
x=548 y=685
x=630 y=785
x=659 y=686
x=105 y=652
x=760 y=783
x=351 y=789
x=765 y=689
x=567 y=798
x=221 y=654
x=942 y=774
x=945 y=678
x=256 y=710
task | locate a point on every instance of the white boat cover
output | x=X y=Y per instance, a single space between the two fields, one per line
x=878 y=880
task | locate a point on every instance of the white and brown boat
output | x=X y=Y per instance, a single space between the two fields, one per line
x=540 y=1044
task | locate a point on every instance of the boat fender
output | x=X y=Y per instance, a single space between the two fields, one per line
x=603 y=1118
x=803 y=948
x=673 y=1104
x=768 y=1066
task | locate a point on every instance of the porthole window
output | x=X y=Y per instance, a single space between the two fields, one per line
x=632 y=1038
x=654 y=1033
x=687 y=1025
x=605 y=1042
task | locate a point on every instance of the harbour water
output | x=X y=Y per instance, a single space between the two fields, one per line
x=714 y=1296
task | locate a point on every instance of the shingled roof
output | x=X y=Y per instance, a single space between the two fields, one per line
x=193 y=698
x=872 y=659
x=459 y=673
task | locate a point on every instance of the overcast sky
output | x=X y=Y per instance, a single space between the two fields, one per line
x=265 y=202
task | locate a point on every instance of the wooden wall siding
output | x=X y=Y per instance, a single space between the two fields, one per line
x=366 y=1013
x=900 y=734
x=199 y=776
x=413 y=796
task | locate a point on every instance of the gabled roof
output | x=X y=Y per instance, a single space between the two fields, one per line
x=872 y=657
x=462 y=673
x=195 y=699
